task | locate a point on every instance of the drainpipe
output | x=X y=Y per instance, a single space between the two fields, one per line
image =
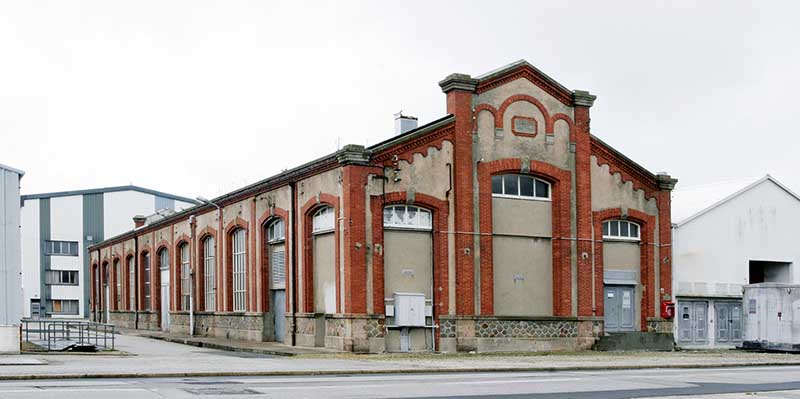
x=192 y=226
x=293 y=266
x=136 y=281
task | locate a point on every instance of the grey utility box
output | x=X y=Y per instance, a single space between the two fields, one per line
x=772 y=317
x=409 y=309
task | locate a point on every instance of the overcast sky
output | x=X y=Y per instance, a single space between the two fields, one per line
x=199 y=98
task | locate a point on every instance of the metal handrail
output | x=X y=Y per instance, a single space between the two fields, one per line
x=50 y=332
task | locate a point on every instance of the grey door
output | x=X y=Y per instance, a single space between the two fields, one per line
x=165 y=299
x=693 y=322
x=618 y=307
x=729 y=322
x=279 y=312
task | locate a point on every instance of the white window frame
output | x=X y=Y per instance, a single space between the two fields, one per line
x=323 y=220
x=416 y=222
x=239 y=259
x=185 y=277
x=209 y=273
x=520 y=196
x=131 y=284
x=619 y=237
x=163 y=259
x=276 y=231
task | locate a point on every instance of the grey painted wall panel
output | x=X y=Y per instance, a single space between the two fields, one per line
x=10 y=282
x=92 y=226
x=164 y=203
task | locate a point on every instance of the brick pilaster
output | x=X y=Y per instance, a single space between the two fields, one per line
x=459 y=89
x=663 y=198
x=583 y=192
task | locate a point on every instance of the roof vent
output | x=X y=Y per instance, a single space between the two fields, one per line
x=404 y=123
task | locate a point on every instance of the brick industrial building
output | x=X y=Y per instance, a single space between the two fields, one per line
x=504 y=225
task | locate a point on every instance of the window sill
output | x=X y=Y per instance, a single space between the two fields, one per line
x=621 y=239
x=519 y=197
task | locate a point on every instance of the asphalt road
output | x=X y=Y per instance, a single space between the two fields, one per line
x=770 y=382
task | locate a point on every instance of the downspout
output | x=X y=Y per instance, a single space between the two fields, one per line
x=293 y=266
x=136 y=281
x=99 y=299
x=192 y=226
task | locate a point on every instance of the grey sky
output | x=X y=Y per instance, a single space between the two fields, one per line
x=199 y=98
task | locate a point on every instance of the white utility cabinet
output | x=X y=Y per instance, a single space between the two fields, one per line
x=409 y=309
x=772 y=316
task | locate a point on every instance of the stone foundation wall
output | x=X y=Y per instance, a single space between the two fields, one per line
x=355 y=333
x=659 y=325
x=148 y=320
x=239 y=326
x=501 y=334
x=124 y=319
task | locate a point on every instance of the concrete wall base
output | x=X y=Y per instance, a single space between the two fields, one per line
x=9 y=339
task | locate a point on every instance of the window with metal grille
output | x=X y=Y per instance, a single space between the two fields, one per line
x=131 y=284
x=118 y=283
x=275 y=231
x=406 y=217
x=209 y=278
x=278 y=266
x=185 y=281
x=61 y=277
x=61 y=248
x=239 y=270
x=520 y=186
x=146 y=279
x=323 y=220
x=621 y=230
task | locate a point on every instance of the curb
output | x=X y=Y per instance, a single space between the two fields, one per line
x=211 y=345
x=285 y=373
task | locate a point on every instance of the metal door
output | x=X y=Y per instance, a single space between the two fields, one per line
x=729 y=322
x=279 y=312
x=619 y=309
x=165 y=299
x=693 y=322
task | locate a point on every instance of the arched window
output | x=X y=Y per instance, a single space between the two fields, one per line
x=621 y=230
x=209 y=278
x=275 y=231
x=520 y=186
x=163 y=259
x=146 y=280
x=185 y=281
x=239 y=256
x=131 y=284
x=407 y=217
x=323 y=220
x=117 y=284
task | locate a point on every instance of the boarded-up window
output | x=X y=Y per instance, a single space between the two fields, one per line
x=278 y=265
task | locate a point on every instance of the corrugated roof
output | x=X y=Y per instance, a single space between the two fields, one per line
x=15 y=170
x=108 y=190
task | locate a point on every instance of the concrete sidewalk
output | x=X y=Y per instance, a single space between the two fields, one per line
x=145 y=357
x=261 y=348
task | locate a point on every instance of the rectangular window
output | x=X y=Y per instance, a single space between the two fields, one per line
x=185 y=281
x=131 y=284
x=61 y=277
x=209 y=266
x=239 y=271
x=61 y=248
x=62 y=307
x=146 y=279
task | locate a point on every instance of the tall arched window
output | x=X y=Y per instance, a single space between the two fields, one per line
x=117 y=284
x=209 y=275
x=406 y=217
x=185 y=281
x=323 y=220
x=146 y=281
x=621 y=230
x=131 y=284
x=520 y=186
x=163 y=259
x=239 y=258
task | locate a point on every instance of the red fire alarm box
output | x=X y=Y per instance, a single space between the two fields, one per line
x=667 y=309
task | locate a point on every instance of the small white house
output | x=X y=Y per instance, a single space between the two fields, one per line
x=58 y=227
x=729 y=235
x=10 y=287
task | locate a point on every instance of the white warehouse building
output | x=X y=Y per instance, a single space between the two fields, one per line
x=58 y=227
x=729 y=235
x=10 y=295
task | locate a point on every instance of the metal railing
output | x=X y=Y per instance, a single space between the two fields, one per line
x=54 y=334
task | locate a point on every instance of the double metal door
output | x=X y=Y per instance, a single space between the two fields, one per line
x=693 y=322
x=728 y=322
x=619 y=308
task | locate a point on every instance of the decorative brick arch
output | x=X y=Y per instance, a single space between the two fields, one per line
x=548 y=119
x=176 y=282
x=563 y=117
x=646 y=266
x=200 y=273
x=234 y=225
x=264 y=265
x=561 y=186
x=307 y=210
